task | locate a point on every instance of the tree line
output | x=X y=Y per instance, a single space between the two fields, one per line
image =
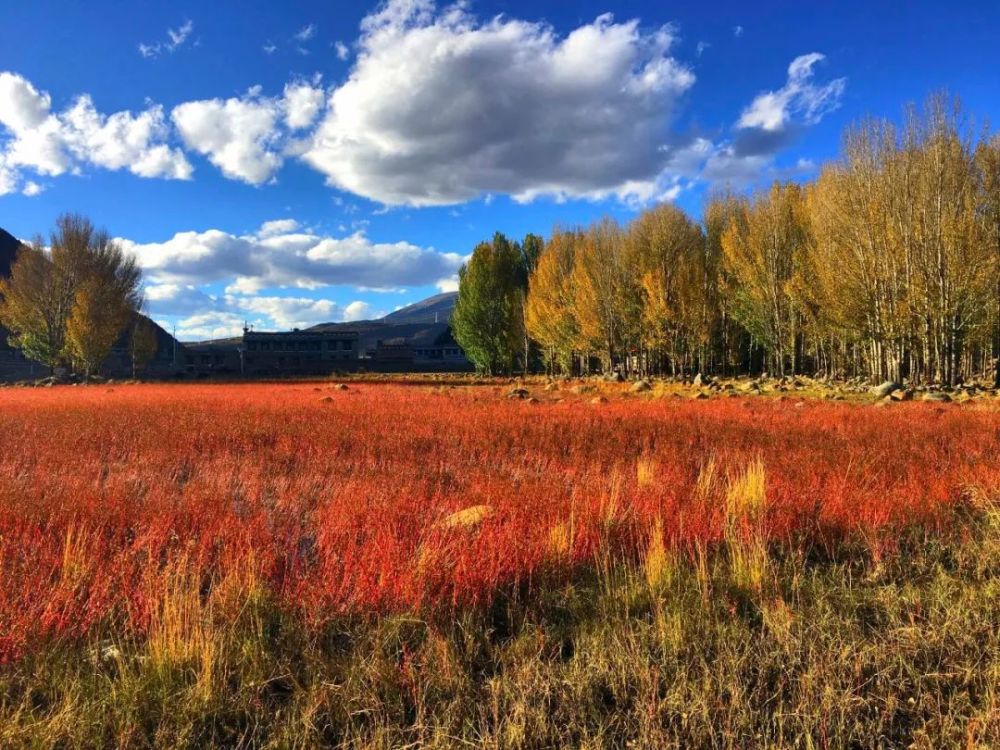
x=69 y=304
x=886 y=266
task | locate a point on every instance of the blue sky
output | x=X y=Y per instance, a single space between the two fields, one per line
x=298 y=162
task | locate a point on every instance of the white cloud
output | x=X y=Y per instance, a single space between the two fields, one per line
x=51 y=143
x=770 y=123
x=179 y=36
x=277 y=227
x=441 y=108
x=24 y=108
x=8 y=179
x=175 y=38
x=238 y=136
x=303 y=103
x=269 y=47
x=123 y=141
x=448 y=285
x=357 y=310
x=280 y=255
x=286 y=312
x=245 y=137
x=737 y=31
x=31 y=189
x=342 y=50
x=773 y=110
x=225 y=317
x=306 y=33
x=209 y=325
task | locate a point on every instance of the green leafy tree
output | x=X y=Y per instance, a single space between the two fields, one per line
x=488 y=320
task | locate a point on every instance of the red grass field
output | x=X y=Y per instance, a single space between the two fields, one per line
x=338 y=501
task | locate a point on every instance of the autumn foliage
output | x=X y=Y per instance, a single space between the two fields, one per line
x=337 y=506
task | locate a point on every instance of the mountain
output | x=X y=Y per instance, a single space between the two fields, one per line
x=8 y=251
x=436 y=309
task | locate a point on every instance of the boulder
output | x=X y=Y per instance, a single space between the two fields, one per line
x=937 y=396
x=886 y=389
x=903 y=394
x=641 y=386
x=515 y=393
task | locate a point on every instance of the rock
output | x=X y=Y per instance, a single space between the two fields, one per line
x=700 y=396
x=641 y=386
x=551 y=387
x=903 y=394
x=467 y=518
x=937 y=396
x=532 y=400
x=341 y=386
x=699 y=380
x=515 y=393
x=615 y=377
x=887 y=388
x=598 y=400
x=326 y=399
x=753 y=385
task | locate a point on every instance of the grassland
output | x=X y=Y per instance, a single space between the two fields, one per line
x=439 y=565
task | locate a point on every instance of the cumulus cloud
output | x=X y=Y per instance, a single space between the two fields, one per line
x=342 y=50
x=441 y=108
x=54 y=143
x=282 y=256
x=303 y=103
x=178 y=299
x=237 y=135
x=245 y=137
x=357 y=310
x=227 y=315
x=208 y=325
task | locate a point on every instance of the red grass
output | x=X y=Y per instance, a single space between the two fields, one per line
x=337 y=505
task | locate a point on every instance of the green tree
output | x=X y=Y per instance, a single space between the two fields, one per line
x=488 y=320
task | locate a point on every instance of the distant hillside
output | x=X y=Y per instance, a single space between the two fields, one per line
x=436 y=309
x=423 y=323
x=8 y=251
